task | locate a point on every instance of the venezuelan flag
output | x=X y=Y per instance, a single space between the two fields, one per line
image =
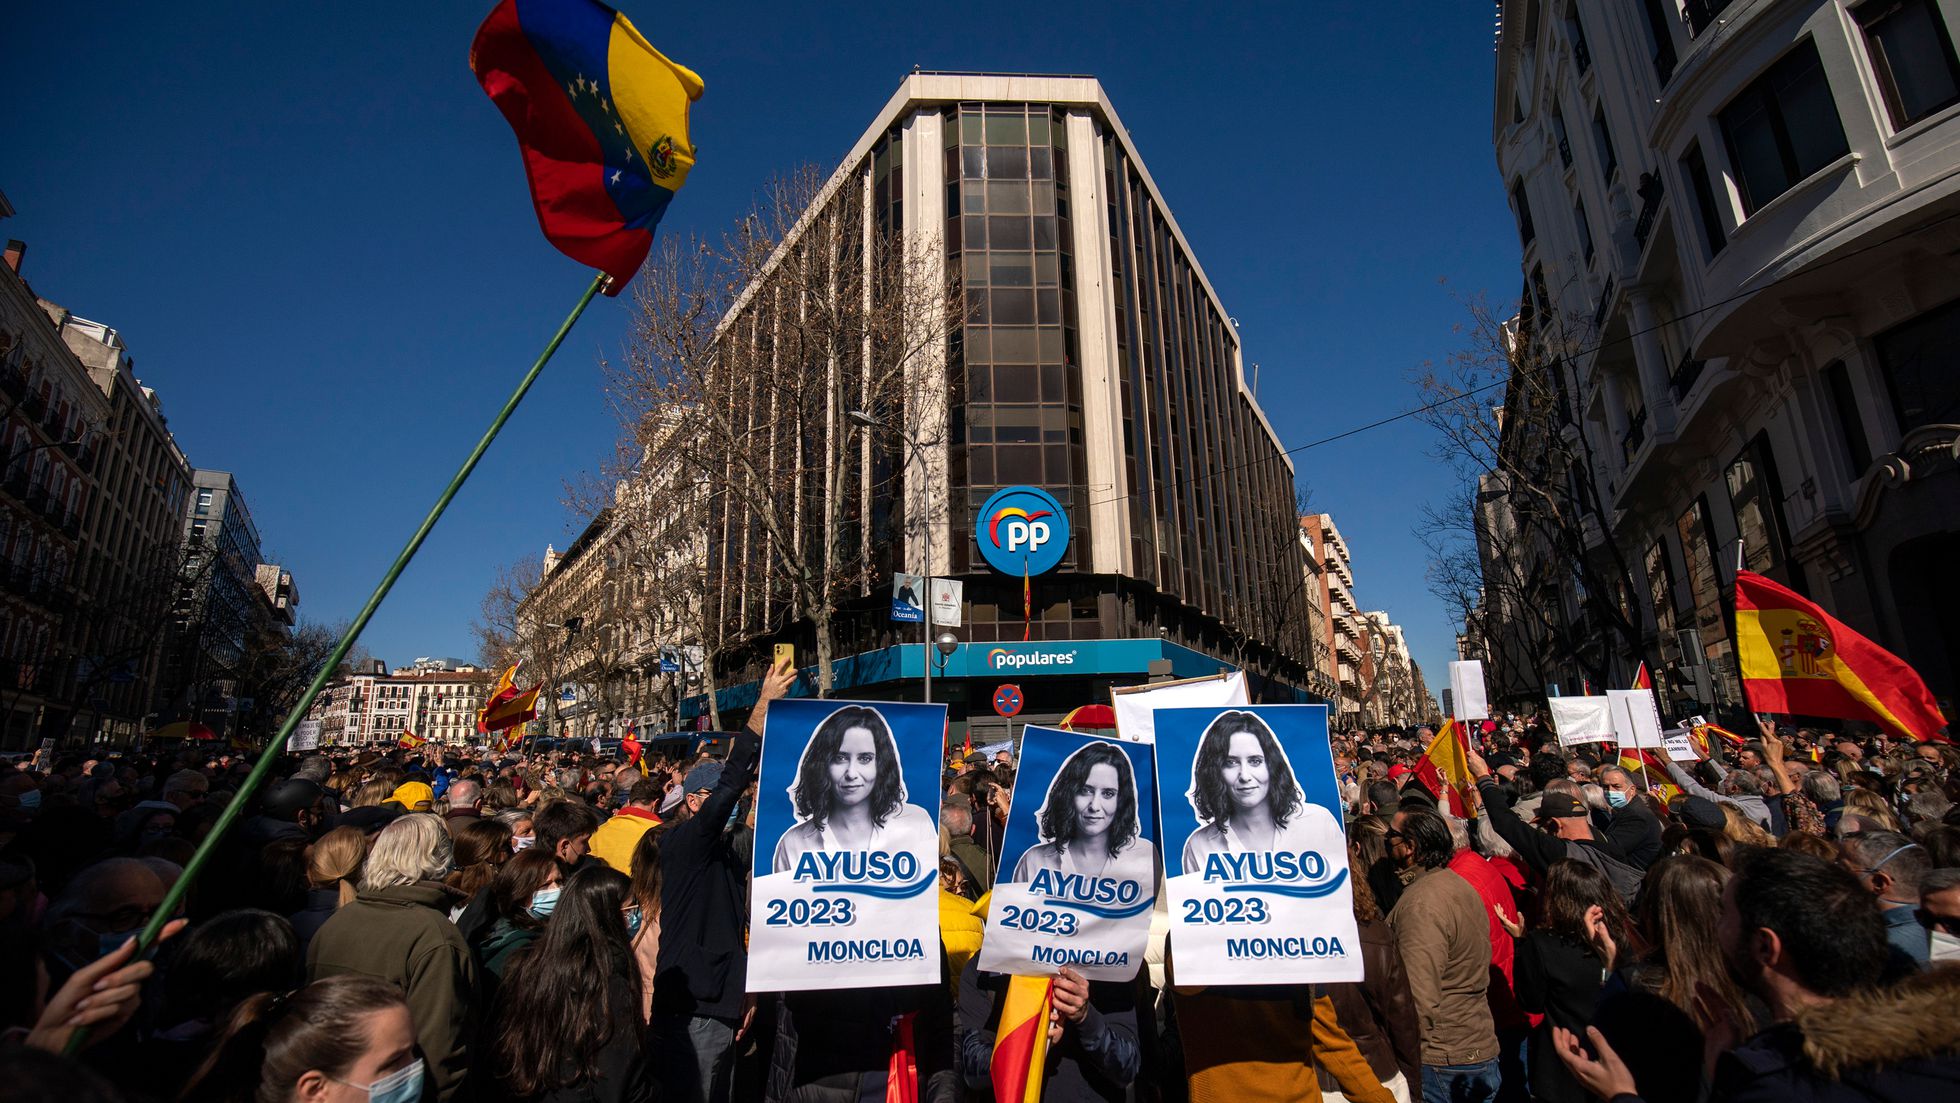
x=1021 y=1040
x=1796 y=658
x=601 y=117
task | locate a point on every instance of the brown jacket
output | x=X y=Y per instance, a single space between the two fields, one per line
x=1378 y=1013
x=1444 y=937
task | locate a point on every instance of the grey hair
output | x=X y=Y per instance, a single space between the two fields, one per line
x=1494 y=844
x=1928 y=804
x=1821 y=787
x=464 y=792
x=1459 y=831
x=511 y=817
x=415 y=847
x=1620 y=770
x=1595 y=797
x=1741 y=783
x=315 y=769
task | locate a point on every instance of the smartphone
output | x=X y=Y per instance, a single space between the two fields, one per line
x=785 y=655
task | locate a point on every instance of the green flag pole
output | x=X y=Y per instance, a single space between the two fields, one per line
x=175 y=897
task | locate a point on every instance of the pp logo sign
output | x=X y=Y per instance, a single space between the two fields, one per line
x=1022 y=529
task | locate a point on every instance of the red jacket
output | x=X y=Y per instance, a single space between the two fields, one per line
x=1498 y=890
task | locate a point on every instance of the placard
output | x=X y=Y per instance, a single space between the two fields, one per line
x=1680 y=747
x=1078 y=861
x=1636 y=719
x=1254 y=855
x=1136 y=706
x=846 y=847
x=306 y=736
x=948 y=594
x=1467 y=685
x=1581 y=719
x=908 y=598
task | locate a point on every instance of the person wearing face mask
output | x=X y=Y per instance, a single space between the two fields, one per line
x=521 y=898
x=97 y=912
x=1939 y=913
x=1629 y=824
x=567 y=1017
x=398 y=930
x=1892 y=866
x=347 y=1039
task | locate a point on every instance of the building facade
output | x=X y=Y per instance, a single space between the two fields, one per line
x=1738 y=224
x=436 y=701
x=224 y=617
x=1342 y=629
x=1095 y=362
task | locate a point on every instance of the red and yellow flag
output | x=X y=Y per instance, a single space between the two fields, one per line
x=1796 y=658
x=1642 y=679
x=1021 y=1042
x=409 y=740
x=1445 y=769
x=520 y=708
x=1646 y=766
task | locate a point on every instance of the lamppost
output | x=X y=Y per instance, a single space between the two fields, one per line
x=864 y=420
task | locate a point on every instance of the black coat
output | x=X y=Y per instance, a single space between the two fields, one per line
x=704 y=908
x=1561 y=980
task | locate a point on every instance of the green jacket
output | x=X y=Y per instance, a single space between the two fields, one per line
x=403 y=936
x=503 y=941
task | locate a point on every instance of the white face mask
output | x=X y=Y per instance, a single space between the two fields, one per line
x=1946 y=947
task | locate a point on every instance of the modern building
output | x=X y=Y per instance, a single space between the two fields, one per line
x=1342 y=628
x=224 y=617
x=1739 y=223
x=1095 y=363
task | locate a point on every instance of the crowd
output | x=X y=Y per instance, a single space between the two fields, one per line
x=1772 y=923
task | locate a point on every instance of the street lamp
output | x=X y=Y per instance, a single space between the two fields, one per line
x=947 y=644
x=867 y=421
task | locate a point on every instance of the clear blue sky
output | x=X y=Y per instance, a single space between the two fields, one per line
x=313 y=231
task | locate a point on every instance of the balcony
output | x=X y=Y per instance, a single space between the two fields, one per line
x=71 y=526
x=1651 y=191
x=1685 y=374
x=36 y=499
x=1636 y=436
x=52 y=422
x=1605 y=303
x=51 y=509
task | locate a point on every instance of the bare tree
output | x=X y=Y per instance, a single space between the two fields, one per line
x=1524 y=549
x=744 y=361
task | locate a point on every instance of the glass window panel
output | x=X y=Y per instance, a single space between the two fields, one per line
x=1012 y=269
x=979 y=344
x=1014 y=345
x=979 y=388
x=1007 y=197
x=1016 y=383
x=1810 y=115
x=1018 y=428
x=1918 y=360
x=952 y=163
x=1038 y=132
x=975 y=232
x=1007 y=163
x=1046 y=233
x=1753 y=152
x=1009 y=232
x=1912 y=55
x=1048 y=307
x=1044 y=198
x=980 y=466
x=1013 y=308
x=976 y=305
x=954 y=238
x=971 y=159
x=1017 y=463
x=1007 y=130
x=970 y=128
x=1052 y=387
x=976 y=268
x=1046 y=271
x=973 y=197
x=1041 y=164
x=1056 y=462
x=1052 y=350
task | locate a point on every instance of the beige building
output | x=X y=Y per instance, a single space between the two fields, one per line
x=436 y=702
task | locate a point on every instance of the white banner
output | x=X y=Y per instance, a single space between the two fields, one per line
x=846 y=847
x=1680 y=748
x=1467 y=686
x=1581 y=719
x=1078 y=873
x=948 y=594
x=1636 y=719
x=1255 y=861
x=1136 y=706
x=306 y=737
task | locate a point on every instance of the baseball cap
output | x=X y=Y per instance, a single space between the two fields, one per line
x=1397 y=771
x=1560 y=806
x=705 y=776
x=413 y=795
x=1702 y=812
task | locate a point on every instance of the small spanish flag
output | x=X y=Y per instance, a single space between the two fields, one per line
x=1642 y=679
x=601 y=117
x=521 y=708
x=409 y=740
x=1644 y=765
x=1021 y=1040
x=1796 y=658
x=1444 y=769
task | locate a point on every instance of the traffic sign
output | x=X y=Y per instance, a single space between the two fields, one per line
x=1007 y=700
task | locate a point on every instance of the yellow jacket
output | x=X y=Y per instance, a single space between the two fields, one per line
x=617 y=838
x=961 y=922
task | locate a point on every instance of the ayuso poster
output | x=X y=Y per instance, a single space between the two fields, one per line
x=1254 y=856
x=846 y=847
x=1078 y=872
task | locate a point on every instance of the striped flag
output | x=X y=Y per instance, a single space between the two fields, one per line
x=1021 y=1042
x=409 y=740
x=1644 y=765
x=1445 y=770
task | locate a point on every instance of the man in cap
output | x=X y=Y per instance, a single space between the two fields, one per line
x=413 y=796
x=1565 y=830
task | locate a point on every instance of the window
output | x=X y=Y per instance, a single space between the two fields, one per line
x=1526 y=233
x=1660 y=26
x=1917 y=358
x=1754 y=497
x=1782 y=128
x=1660 y=593
x=1585 y=227
x=1857 y=450
x=1695 y=167
x=1603 y=141
x=203 y=502
x=1912 y=57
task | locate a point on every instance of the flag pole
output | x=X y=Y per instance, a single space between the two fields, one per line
x=173 y=898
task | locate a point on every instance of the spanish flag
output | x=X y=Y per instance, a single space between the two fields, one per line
x=1445 y=769
x=521 y=708
x=1021 y=1041
x=1642 y=679
x=601 y=118
x=1644 y=765
x=1796 y=658
x=409 y=740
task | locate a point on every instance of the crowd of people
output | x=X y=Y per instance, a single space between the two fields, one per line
x=1775 y=922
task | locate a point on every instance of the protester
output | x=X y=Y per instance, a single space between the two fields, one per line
x=1562 y=964
x=568 y=1012
x=1630 y=826
x=1093 y=1050
x=341 y=1038
x=333 y=863
x=398 y=930
x=1378 y=1012
x=564 y=830
x=1891 y=866
x=645 y=871
x=1441 y=933
x=518 y=902
x=614 y=841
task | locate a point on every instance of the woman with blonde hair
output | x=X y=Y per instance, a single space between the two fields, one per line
x=333 y=862
x=1869 y=807
x=1742 y=830
x=369 y=793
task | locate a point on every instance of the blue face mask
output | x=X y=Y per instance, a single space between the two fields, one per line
x=544 y=900
x=404 y=1085
x=1616 y=798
